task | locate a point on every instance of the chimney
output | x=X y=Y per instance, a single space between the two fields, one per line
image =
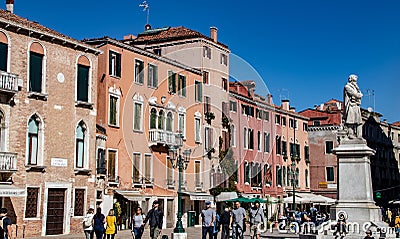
x=147 y=27
x=10 y=5
x=214 y=34
x=285 y=104
x=269 y=97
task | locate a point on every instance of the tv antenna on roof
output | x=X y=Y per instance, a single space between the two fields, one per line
x=145 y=7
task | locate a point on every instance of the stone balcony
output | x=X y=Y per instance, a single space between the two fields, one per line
x=8 y=162
x=158 y=136
x=8 y=83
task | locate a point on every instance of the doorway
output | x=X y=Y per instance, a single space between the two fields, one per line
x=55 y=211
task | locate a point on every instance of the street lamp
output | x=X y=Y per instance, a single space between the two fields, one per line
x=180 y=161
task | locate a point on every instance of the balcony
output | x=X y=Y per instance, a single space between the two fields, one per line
x=198 y=185
x=158 y=136
x=8 y=83
x=142 y=182
x=8 y=162
x=170 y=183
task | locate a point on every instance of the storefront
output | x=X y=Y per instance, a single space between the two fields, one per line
x=193 y=204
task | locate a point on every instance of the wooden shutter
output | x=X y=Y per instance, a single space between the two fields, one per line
x=79 y=202
x=3 y=56
x=83 y=83
x=118 y=65
x=35 y=72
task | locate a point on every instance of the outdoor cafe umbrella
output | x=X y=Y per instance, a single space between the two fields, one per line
x=247 y=200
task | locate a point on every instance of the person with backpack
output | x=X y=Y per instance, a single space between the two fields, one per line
x=226 y=221
x=98 y=224
x=217 y=224
x=137 y=223
x=88 y=224
x=256 y=218
x=5 y=224
x=155 y=219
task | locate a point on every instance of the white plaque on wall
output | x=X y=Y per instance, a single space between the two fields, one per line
x=59 y=162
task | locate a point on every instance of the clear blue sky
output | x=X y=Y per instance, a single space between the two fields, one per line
x=304 y=49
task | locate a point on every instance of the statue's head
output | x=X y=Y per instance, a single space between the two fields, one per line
x=353 y=78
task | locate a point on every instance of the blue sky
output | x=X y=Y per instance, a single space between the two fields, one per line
x=302 y=49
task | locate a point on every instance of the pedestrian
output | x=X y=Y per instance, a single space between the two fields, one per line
x=369 y=235
x=389 y=216
x=256 y=218
x=226 y=221
x=88 y=224
x=397 y=225
x=155 y=219
x=208 y=219
x=98 y=224
x=5 y=223
x=138 y=223
x=238 y=221
x=217 y=224
x=111 y=227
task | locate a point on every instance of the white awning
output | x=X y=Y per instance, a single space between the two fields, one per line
x=8 y=190
x=131 y=195
x=226 y=196
x=199 y=196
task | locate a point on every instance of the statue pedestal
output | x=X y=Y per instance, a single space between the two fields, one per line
x=179 y=235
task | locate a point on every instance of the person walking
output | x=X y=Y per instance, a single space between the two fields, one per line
x=98 y=224
x=226 y=221
x=111 y=228
x=155 y=219
x=238 y=221
x=208 y=219
x=397 y=225
x=217 y=224
x=88 y=224
x=256 y=218
x=5 y=223
x=138 y=223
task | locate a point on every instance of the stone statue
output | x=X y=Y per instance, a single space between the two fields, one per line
x=352 y=113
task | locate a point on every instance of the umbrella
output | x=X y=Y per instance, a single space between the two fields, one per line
x=247 y=200
x=298 y=200
x=322 y=199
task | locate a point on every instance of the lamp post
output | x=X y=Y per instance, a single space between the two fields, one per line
x=181 y=162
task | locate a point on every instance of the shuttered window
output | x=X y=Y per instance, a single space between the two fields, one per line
x=79 y=202
x=171 y=82
x=152 y=78
x=112 y=154
x=115 y=64
x=3 y=56
x=83 y=83
x=31 y=206
x=35 y=72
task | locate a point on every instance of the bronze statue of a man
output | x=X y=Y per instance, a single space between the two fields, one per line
x=352 y=113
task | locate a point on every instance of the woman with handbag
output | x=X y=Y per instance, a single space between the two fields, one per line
x=98 y=224
x=88 y=224
x=111 y=227
x=137 y=223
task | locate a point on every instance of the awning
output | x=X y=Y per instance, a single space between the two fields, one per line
x=223 y=196
x=199 y=196
x=131 y=195
x=8 y=190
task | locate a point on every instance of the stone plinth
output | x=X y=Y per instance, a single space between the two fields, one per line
x=179 y=235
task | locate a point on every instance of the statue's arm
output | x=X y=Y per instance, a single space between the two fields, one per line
x=351 y=91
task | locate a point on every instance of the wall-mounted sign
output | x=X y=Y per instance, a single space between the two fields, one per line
x=59 y=162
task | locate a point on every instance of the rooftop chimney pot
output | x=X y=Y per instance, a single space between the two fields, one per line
x=10 y=5
x=214 y=34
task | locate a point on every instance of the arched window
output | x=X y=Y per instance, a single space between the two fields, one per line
x=33 y=140
x=80 y=145
x=3 y=52
x=82 y=84
x=306 y=175
x=161 y=120
x=247 y=173
x=169 y=122
x=153 y=119
x=36 y=68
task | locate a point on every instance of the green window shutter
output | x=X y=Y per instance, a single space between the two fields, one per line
x=3 y=56
x=155 y=76
x=170 y=81
x=83 y=83
x=118 y=62
x=174 y=83
x=149 y=75
x=184 y=85
x=141 y=74
x=35 y=72
x=179 y=85
x=110 y=55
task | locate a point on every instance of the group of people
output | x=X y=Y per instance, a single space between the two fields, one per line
x=105 y=227
x=234 y=220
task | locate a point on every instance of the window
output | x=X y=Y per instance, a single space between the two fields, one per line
x=198 y=92
x=136 y=168
x=277 y=119
x=305 y=127
x=207 y=104
x=284 y=176
x=247 y=173
x=139 y=72
x=35 y=72
x=171 y=82
x=169 y=122
x=3 y=52
x=278 y=175
x=182 y=85
x=111 y=165
x=206 y=77
x=266 y=115
x=33 y=141
x=248 y=110
x=83 y=83
x=79 y=202
x=224 y=59
x=306 y=175
x=225 y=84
x=197 y=130
x=153 y=118
x=233 y=106
x=197 y=178
x=294 y=150
x=113 y=115
x=278 y=145
x=266 y=142
x=80 y=145
x=259 y=113
x=181 y=124
x=115 y=64
x=233 y=135
x=101 y=161
x=258 y=140
x=161 y=120
x=291 y=123
x=398 y=138
x=330 y=176
x=316 y=123
x=207 y=52
x=170 y=173
x=283 y=121
x=208 y=139
x=147 y=169
x=152 y=78
x=31 y=206
x=137 y=123
x=251 y=138
x=284 y=148
x=245 y=138
x=307 y=153
x=328 y=147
